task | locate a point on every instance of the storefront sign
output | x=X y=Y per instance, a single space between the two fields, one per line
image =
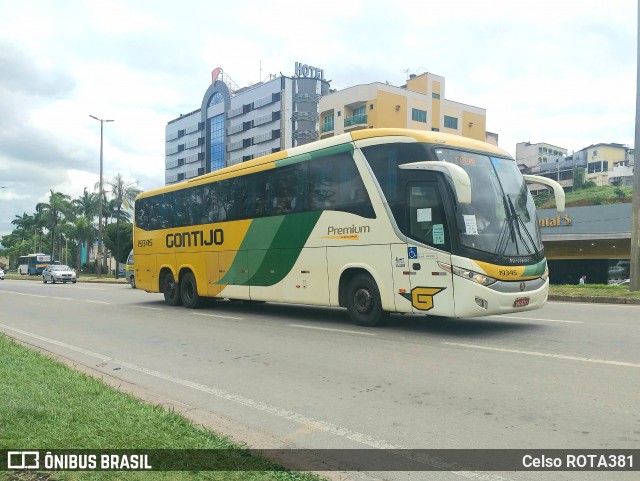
x=555 y=221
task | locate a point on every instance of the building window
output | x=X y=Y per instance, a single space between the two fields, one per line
x=217 y=142
x=216 y=99
x=435 y=129
x=419 y=115
x=450 y=122
x=328 y=123
x=435 y=95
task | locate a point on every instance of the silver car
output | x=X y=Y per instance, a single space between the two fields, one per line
x=59 y=273
x=1 y=275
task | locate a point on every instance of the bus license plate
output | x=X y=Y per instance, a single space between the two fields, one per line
x=521 y=302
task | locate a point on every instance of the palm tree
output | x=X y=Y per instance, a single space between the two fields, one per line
x=123 y=195
x=25 y=222
x=84 y=232
x=53 y=213
x=86 y=206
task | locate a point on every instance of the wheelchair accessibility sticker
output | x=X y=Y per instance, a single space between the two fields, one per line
x=412 y=252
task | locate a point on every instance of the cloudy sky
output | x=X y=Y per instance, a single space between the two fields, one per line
x=561 y=71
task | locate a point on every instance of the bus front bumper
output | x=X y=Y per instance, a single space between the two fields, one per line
x=475 y=300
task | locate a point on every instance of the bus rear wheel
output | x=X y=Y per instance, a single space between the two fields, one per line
x=363 y=301
x=189 y=291
x=171 y=290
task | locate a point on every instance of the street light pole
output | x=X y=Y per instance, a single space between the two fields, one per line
x=635 y=205
x=99 y=260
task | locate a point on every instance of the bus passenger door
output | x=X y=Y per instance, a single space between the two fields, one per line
x=431 y=286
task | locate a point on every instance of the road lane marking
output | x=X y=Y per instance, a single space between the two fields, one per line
x=97 y=302
x=23 y=294
x=333 y=330
x=309 y=422
x=540 y=319
x=151 y=308
x=544 y=354
x=217 y=315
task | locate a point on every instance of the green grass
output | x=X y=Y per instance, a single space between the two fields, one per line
x=593 y=290
x=590 y=196
x=45 y=405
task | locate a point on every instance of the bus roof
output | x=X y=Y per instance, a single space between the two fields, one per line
x=268 y=161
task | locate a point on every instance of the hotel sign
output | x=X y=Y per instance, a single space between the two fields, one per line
x=308 y=71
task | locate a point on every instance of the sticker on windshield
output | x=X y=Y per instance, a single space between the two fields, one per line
x=424 y=215
x=470 y=224
x=438 y=233
x=495 y=162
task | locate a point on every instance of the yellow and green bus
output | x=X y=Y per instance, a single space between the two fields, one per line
x=376 y=220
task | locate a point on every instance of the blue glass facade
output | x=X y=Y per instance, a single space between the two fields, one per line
x=216 y=127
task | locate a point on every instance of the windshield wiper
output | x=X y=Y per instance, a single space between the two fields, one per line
x=520 y=223
x=506 y=232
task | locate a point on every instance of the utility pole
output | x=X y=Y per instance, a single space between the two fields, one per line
x=635 y=206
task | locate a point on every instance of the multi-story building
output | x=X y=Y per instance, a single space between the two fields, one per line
x=608 y=164
x=530 y=155
x=233 y=125
x=420 y=104
x=604 y=164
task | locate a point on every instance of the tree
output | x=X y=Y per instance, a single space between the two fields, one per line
x=84 y=232
x=53 y=213
x=124 y=232
x=86 y=206
x=578 y=178
x=123 y=194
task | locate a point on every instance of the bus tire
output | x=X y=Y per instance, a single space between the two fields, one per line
x=132 y=281
x=189 y=291
x=363 y=301
x=171 y=290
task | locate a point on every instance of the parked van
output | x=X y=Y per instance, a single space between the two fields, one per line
x=129 y=272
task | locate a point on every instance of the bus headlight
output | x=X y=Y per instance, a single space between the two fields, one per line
x=476 y=277
x=545 y=276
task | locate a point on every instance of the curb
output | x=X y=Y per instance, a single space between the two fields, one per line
x=596 y=300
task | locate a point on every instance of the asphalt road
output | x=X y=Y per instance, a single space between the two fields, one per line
x=567 y=376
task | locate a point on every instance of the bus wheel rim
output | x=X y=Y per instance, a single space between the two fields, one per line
x=363 y=300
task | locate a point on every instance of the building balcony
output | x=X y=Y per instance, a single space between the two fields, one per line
x=356 y=120
x=327 y=127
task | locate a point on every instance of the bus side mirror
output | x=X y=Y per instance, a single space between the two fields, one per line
x=460 y=179
x=558 y=191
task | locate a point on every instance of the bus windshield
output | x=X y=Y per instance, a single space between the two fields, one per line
x=501 y=218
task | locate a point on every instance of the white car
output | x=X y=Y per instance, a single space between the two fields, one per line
x=58 y=273
x=1 y=275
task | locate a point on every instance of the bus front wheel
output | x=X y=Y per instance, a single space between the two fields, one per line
x=363 y=301
x=189 y=291
x=171 y=290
